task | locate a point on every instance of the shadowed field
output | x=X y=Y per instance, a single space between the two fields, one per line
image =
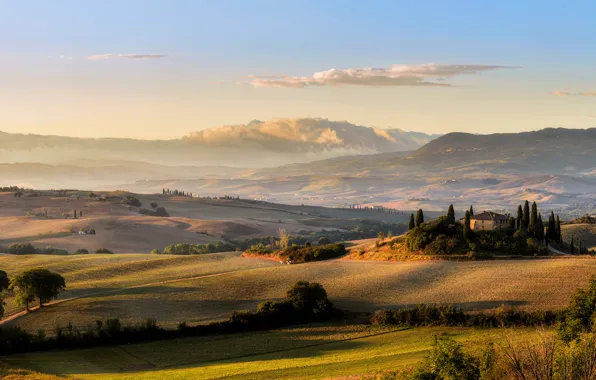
x=313 y=352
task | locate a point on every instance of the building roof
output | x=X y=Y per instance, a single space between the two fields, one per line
x=489 y=215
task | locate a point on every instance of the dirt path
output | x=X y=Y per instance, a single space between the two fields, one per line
x=14 y=316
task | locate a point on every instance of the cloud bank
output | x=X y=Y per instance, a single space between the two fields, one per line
x=397 y=75
x=574 y=93
x=308 y=135
x=99 y=57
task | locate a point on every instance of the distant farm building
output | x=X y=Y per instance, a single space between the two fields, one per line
x=488 y=221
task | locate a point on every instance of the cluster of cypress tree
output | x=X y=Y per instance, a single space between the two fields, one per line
x=418 y=221
x=176 y=192
x=553 y=230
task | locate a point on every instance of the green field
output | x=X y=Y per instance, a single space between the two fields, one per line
x=313 y=352
x=202 y=288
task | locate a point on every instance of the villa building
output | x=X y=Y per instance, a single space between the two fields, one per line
x=487 y=221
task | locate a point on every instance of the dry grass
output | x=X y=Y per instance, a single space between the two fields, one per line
x=585 y=232
x=353 y=285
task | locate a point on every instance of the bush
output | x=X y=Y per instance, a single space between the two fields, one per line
x=52 y=251
x=197 y=249
x=103 y=250
x=82 y=251
x=21 y=249
x=155 y=252
x=302 y=254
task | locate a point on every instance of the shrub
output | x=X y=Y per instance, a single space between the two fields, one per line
x=82 y=251
x=21 y=249
x=155 y=252
x=103 y=250
x=197 y=249
x=302 y=254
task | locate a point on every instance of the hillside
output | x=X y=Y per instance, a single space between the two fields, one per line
x=203 y=288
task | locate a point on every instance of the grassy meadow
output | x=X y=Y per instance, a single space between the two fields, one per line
x=320 y=351
x=204 y=288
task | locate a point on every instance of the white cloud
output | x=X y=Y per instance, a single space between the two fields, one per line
x=397 y=75
x=308 y=135
x=574 y=93
x=99 y=57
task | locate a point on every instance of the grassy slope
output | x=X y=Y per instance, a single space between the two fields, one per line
x=305 y=352
x=585 y=232
x=91 y=274
x=353 y=285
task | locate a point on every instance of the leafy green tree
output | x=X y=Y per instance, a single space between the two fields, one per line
x=580 y=315
x=309 y=297
x=471 y=211
x=520 y=217
x=451 y=215
x=526 y=217
x=419 y=218
x=38 y=283
x=448 y=361
x=412 y=222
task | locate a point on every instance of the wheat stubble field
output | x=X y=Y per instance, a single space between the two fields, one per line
x=203 y=288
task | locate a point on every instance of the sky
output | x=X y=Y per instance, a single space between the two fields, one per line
x=162 y=69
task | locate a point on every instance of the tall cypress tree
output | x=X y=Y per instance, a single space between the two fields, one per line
x=451 y=215
x=467 y=225
x=532 y=227
x=539 y=232
x=419 y=217
x=471 y=211
x=571 y=245
x=520 y=217
x=526 y=217
x=558 y=238
x=412 y=223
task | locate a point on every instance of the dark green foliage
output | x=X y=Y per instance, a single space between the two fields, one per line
x=4 y=281
x=153 y=205
x=467 y=229
x=580 y=315
x=37 y=283
x=533 y=226
x=511 y=223
x=539 y=230
x=447 y=315
x=520 y=217
x=82 y=251
x=323 y=240
x=571 y=245
x=419 y=218
x=305 y=303
x=103 y=250
x=526 y=216
x=558 y=230
x=304 y=254
x=197 y=249
x=21 y=249
x=131 y=201
x=451 y=215
x=471 y=211
x=309 y=298
x=412 y=223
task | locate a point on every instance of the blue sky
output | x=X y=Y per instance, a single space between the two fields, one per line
x=211 y=48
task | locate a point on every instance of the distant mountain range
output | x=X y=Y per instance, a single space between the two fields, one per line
x=256 y=144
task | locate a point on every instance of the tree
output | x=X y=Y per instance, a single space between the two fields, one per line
x=390 y=235
x=579 y=247
x=37 y=283
x=539 y=232
x=451 y=215
x=284 y=239
x=381 y=237
x=533 y=226
x=419 y=218
x=309 y=298
x=412 y=222
x=323 y=240
x=520 y=217
x=571 y=245
x=511 y=223
x=467 y=225
x=75 y=214
x=558 y=230
x=471 y=211
x=4 y=281
x=526 y=217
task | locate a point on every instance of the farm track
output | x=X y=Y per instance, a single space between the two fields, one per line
x=14 y=316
